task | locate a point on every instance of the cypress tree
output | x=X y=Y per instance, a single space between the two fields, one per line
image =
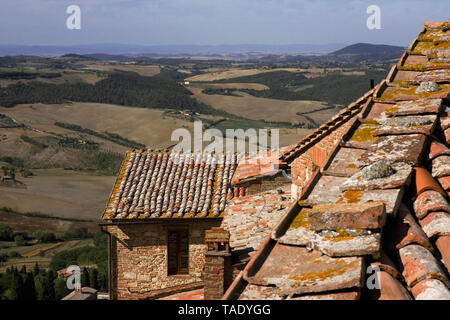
x=29 y=288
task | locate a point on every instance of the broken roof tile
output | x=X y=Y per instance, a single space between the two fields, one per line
x=249 y=219
x=440 y=166
x=343 y=164
x=295 y=270
x=430 y=201
x=389 y=288
x=430 y=289
x=419 y=264
x=436 y=224
x=405 y=231
x=401 y=177
x=406 y=148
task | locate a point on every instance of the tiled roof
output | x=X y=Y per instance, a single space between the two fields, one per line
x=389 y=179
x=153 y=184
x=252 y=167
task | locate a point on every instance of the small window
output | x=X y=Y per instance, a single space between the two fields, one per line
x=178 y=252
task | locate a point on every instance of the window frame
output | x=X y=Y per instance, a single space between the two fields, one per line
x=179 y=271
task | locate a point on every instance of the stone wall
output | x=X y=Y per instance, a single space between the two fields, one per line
x=138 y=257
x=303 y=167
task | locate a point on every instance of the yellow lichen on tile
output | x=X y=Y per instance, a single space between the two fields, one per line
x=350 y=196
x=363 y=134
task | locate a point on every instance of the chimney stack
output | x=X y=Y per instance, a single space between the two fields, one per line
x=218 y=273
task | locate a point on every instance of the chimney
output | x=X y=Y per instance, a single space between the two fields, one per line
x=218 y=273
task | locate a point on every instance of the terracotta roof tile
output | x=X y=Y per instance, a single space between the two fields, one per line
x=400 y=177
x=445 y=183
x=424 y=181
x=419 y=264
x=413 y=107
x=443 y=245
x=404 y=148
x=431 y=289
x=437 y=149
x=390 y=288
x=424 y=124
x=436 y=224
x=447 y=136
x=343 y=295
x=250 y=219
x=343 y=163
x=438 y=76
x=440 y=166
x=295 y=270
x=371 y=215
x=430 y=201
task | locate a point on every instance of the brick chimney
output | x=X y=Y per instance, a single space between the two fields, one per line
x=217 y=273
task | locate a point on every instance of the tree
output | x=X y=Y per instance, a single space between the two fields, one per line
x=6 y=233
x=19 y=240
x=61 y=289
x=93 y=278
x=29 y=289
x=85 y=278
x=36 y=269
x=17 y=286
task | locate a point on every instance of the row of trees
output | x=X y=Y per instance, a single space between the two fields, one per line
x=122 y=88
x=43 y=284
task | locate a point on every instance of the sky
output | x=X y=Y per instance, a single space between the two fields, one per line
x=215 y=22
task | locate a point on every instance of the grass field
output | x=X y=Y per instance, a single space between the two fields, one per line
x=235 y=73
x=254 y=86
x=60 y=193
x=142 y=70
x=147 y=126
x=260 y=108
x=40 y=253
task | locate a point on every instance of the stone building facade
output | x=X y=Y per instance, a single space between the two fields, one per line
x=139 y=262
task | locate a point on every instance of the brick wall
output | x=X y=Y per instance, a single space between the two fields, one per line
x=138 y=256
x=303 y=167
x=218 y=274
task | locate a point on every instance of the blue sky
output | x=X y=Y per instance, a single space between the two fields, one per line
x=214 y=22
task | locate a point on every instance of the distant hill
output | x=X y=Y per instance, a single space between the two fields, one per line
x=165 y=50
x=361 y=51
